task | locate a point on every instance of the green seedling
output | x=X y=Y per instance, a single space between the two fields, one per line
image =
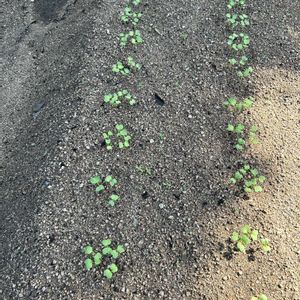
x=94 y=259
x=260 y=297
x=113 y=199
x=238 y=106
x=133 y=36
x=233 y=3
x=246 y=72
x=250 y=179
x=144 y=170
x=130 y=16
x=238 y=41
x=237 y=20
x=241 y=64
x=132 y=64
x=101 y=185
x=115 y=99
x=136 y=2
x=239 y=131
x=246 y=237
x=253 y=135
x=126 y=68
x=119 y=67
x=119 y=137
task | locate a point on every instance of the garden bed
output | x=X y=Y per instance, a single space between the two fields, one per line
x=176 y=211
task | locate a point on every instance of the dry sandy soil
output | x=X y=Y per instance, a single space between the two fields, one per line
x=176 y=220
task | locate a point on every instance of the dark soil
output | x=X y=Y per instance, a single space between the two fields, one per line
x=57 y=64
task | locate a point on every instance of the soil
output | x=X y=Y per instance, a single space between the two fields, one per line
x=174 y=221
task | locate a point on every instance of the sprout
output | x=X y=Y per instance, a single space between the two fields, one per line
x=250 y=178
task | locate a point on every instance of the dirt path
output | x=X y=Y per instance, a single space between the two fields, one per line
x=57 y=65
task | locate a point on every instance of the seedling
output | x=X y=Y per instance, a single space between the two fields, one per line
x=130 y=16
x=253 y=135
x=113 y=199
x=260 y=297
x=126 y=68
x=241 y=64
x=246 y=237
x=246 y=72
x=250 y=179
x=119 y=137
x=101 y=185
x=94 y=259
x=237 y=20
x=136 y=2
x=238 y=41
x=238 y=106
x=233 y=3
x=115 y=99
x=144 y=170
x=239 y=130
x=134 y=36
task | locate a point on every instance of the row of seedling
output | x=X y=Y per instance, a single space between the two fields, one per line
x=247 y=177
x=243 y=134
x=116 y=137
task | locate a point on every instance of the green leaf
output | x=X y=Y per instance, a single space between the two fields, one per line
x=108 y=178
x=265 y=245
x=254 y=172
x=106 y=243
x=119 y=127
x=263 y=297
x=245 y=229
x=108 y=274
x=230 y=127
x=100 y=188
x=111 y=203
x=88 y=263
x=106 y=250
x=113 y=268
x=238 y=175
x=95 y=180
x=248 y=190
x=239 y=128
x=241 y=247
x=254 y=298
x=97 y=259
x=88 y=250
x=254 y=235
x=261 y=179
x=114 y=197
x=235 y=236
x=113 y=182
x=120 y=249
x=246 y=167
x=114 y=254
x=245 y=240
x=258 y=189
x=232 y=180
x=239 y=147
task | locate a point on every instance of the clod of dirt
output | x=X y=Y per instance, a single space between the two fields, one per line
x=158 y=100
